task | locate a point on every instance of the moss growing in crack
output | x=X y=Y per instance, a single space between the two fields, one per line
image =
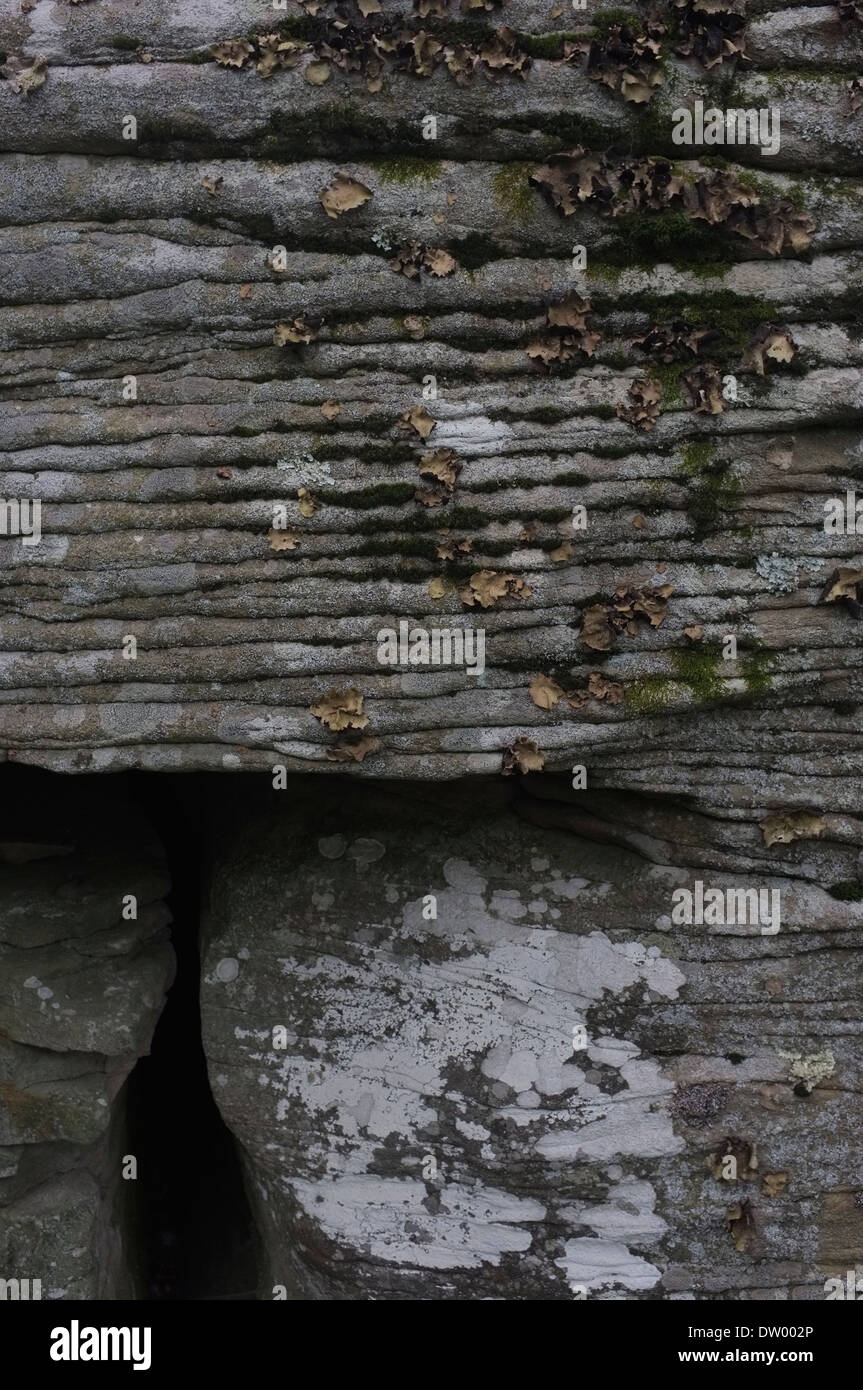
x=365 y=453
x=553 y=414
x=649 y=694
x=671 y=236
x=708 y=270
x=470 y=520
x=713 y=496
x=294 y=27
x=760 y=386
x=571 y=478
x=653 y=127
x=696 y=668
x=408 y=170
x=605 y=270
x=409 y=523
x=610 y=451
x=497 y=484
x=549 y=514
x=618 y=360
x=669 y=374
x=546 y=414
x=524 y=482
x=379 y=495
x=657 y=501
x=757 y=668
x=735 y=318
x=126 y=42
x=783 y=82
x=496 y=549
x=461 y=517
x=852 y=470
x=844 y=707
x=422 y=547
x=697 y=455
x=403 y=567
x=603 y=20
x=714 y=488
x=512 y=190
x=342 y=125
x=565 y=128
x=384 y=453
x=456 y=31
x=770 y=193
x=377 y=423
x=545 y=46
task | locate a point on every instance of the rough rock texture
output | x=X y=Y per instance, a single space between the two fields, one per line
x=251 y=511
x=80 y=991
x=118 y=261
x=352 y=1037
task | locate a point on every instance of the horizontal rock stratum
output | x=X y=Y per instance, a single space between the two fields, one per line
x=147 y=406
x=390 y=391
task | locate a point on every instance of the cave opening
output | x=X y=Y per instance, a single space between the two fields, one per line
x=194 y=1234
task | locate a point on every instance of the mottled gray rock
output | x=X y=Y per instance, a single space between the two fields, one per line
x=440 y=1042
x=395 y=1051
x=80 y=992
x=120 y=263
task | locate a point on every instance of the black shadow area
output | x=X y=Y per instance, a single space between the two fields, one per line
x=195 y=1234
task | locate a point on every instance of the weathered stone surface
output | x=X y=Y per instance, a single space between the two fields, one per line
x=119 y=261
x=144 y=402
x=80 y=992
x=410 y=1038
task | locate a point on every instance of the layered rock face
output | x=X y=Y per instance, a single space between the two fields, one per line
x=169 y=437
x=427 y=397
x=472 y=1041
x=82 y=983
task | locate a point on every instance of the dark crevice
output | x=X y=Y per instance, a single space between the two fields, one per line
x=193 y=1236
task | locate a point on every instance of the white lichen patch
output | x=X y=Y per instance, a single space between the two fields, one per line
x=779 y=572
x=469 y=1028
x=604 y=1260
x=302 y=467
x=605 y=1264
x=634 y=1121
x=386 y=1218
x=810 y=1068
x=473 y=434
x=628 y=1215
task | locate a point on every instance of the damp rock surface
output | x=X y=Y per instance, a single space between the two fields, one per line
x=81 y=989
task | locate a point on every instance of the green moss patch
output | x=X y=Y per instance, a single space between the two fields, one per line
x=649 y=694
x=408 y=170
x=757 y=667
x=697 y=668
x=714 y=488
x=512 y=190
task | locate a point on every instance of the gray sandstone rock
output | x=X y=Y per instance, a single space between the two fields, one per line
x=80 y=992
x=395 y=1053
x=428 y=1125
